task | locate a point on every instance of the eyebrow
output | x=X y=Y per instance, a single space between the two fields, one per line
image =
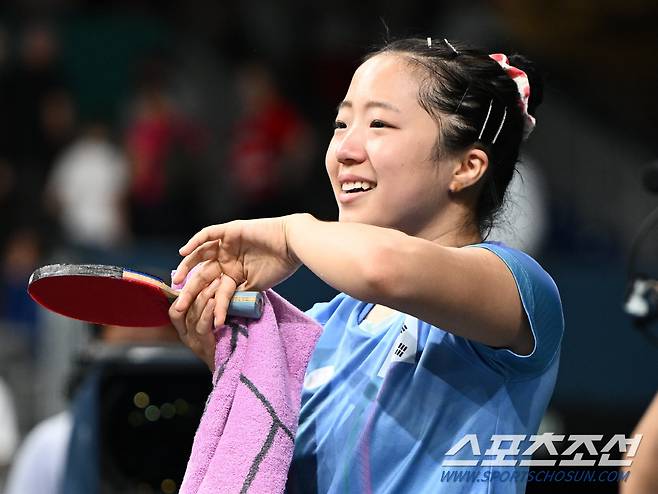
x=369 y=104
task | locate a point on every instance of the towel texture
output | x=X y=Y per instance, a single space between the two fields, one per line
x=245 y=439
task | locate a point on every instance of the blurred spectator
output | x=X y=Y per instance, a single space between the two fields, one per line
x=269 y=159
x=37 y=119
x=164 y=150
x=88 y=188
x=39 y=463
x=27 y=85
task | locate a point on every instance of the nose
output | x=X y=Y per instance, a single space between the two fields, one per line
x=351 y=149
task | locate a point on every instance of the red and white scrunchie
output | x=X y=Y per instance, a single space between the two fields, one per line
x=523 y=85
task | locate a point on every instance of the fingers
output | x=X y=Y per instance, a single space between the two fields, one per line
x=199 y=339
x=223 y=296
x=194 y=316
x=195 y=332
x=203 y=345
x=214 y=232
x=178 y=320
x=205 y=252
x=205 y=323
x=206 y=273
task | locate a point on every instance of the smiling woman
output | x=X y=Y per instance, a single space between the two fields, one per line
x=437 y=333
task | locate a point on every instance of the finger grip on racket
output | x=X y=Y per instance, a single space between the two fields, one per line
x=243 y=304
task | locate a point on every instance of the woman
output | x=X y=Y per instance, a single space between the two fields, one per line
x=429 y=340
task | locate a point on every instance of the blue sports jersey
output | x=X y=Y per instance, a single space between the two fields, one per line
x=382 y=404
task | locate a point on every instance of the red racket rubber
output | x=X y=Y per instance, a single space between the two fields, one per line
x=102 y=294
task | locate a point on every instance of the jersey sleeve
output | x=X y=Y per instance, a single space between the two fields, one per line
x=541 y=303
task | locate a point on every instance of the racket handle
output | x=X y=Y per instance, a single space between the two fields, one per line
x=243 y=304
x=247 y=304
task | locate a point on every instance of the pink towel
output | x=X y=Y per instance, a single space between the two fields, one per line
x=245 y=440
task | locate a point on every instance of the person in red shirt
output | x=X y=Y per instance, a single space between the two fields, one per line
x=269 y=157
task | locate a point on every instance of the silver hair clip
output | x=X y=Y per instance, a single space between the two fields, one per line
x=429 y=42
x=500 y=127
x=484 y=125
x=450 y=46
x=462 y=100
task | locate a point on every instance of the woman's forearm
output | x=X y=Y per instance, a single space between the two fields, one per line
x=348 y=256
x=469 y=292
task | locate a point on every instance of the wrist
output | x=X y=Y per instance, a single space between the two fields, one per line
x=292 y=226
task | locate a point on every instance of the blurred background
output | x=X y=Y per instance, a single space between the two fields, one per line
x=125 y=126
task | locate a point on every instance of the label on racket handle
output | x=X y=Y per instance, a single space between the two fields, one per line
x=246 y=304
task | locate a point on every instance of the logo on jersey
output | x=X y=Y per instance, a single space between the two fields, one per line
x=405 y=346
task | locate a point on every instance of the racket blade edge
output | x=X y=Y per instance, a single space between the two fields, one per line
x=101 y=299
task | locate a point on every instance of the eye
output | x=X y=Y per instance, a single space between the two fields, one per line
x=378 y=124
x=338 y=124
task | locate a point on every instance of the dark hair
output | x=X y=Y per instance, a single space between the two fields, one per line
x=459 y=87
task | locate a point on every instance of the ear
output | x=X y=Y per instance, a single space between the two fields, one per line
x=469 y=169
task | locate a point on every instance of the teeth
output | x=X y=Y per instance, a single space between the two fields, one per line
x=347 y=186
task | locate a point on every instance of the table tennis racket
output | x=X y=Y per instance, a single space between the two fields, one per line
x=112 y=295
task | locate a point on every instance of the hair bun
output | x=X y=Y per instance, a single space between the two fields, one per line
x=535 y=79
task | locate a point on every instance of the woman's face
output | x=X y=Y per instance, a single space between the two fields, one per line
x=380 y=159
